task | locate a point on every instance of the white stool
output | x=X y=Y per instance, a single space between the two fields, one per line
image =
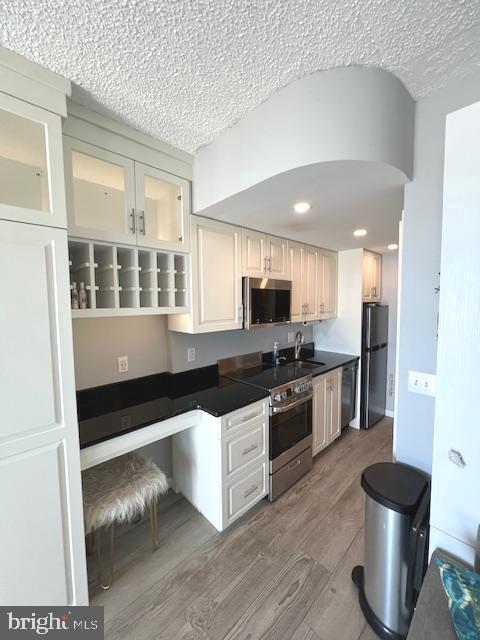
x=119 y=490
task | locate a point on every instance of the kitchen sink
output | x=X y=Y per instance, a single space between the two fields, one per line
x=308 y=364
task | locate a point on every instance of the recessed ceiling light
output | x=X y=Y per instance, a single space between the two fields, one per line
x=393 y=246
x=302 y=207
x=360 y=232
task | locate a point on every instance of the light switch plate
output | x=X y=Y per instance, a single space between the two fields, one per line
x=422 y=383
x=291 y=336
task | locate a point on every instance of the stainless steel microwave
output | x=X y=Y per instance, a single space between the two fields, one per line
x=266 y=302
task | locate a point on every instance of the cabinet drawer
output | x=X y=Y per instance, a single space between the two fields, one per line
x=243 y=447
x=244 y=416
x=243 y=493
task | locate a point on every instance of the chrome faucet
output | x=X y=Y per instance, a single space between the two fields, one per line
x=299 y=340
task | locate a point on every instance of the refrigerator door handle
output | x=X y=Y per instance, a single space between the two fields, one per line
x=369 y=327
x=367 y=386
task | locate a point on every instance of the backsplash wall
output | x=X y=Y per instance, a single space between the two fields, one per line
x=210 y=347
x=99 y=341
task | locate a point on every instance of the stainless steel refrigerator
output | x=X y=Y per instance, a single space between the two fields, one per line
x=373 y=394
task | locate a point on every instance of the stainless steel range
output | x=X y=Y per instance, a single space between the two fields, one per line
x=291 y=393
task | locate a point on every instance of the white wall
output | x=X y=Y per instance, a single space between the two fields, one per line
x=455 y=505
x=389 y=297
x=349 y=113
x=417 y=347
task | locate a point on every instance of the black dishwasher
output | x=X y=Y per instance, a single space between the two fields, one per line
x=349 y=392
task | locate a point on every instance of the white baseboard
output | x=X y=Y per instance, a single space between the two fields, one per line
x=389 y=413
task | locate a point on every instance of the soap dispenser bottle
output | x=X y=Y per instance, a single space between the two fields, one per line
x=276 y=347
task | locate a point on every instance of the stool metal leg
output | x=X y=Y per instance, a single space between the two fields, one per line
x=154 y=523
x=105 y=584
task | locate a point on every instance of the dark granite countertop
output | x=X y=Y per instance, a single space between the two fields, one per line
x=115 y=409
x=329 y=359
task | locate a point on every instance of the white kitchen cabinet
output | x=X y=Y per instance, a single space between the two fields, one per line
x=295 y=260
x=372 y=276
x=221 y=464
x=310 y=284
x=277 y=257
x=163 y=206
x=253 y=254
x=127 y=280
x=264 y=255
x=327 y=284
x=31 y=167
x=216 y=303
x=326 y=409
x=113 y=198
x=313 y=273
x=43 y=536
x=42 y=533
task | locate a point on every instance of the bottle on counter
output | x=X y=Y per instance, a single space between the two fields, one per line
x=74 y=296
x=276 y=347
x=82 y=296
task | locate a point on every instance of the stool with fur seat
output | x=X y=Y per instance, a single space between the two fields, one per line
x=120 y=490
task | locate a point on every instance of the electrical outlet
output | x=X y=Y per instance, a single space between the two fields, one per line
x=291 y=336
x=423 y=383
x=122 y=364
x=191 y=354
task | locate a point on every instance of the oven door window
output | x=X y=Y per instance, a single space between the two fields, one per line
x=289 y=428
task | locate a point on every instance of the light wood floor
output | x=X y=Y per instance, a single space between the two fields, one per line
x=282 y=572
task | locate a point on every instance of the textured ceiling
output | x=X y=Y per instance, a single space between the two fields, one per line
x=185 y=70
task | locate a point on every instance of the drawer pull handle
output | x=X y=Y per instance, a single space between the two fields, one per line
x=252 y=447
x=250 y=416
x=292 y=466
x=251 y=490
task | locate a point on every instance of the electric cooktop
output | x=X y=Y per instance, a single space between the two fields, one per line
x=269 y=376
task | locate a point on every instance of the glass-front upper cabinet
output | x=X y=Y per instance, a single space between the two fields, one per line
x=100 y=193
x=163 y=205
x=113 y=198
x=31 y=164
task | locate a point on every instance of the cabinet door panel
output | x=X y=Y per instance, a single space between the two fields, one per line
x=35 y=548
x=367 y=277
x=334 y=402
x=31 y=164
x=310 y=283
x=320 y=435
x=163 y=207
x=295 y=257
x=100 y=193
x=253 y=254
x=39 y=450
x=327 y=285
x=218 y=291
x=277 y=257
x=377 y=277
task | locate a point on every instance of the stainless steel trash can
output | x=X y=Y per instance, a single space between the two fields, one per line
x=396 y=527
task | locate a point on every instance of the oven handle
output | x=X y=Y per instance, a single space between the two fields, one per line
x=292 y=405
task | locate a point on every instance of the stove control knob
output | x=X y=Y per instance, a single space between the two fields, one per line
x=278 y=397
